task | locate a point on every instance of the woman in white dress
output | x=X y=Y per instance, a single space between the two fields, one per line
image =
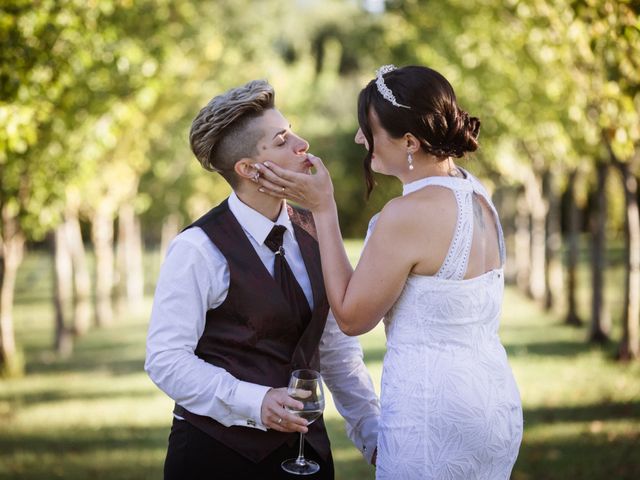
x=432 y=267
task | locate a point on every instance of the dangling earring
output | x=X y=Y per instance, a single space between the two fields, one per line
x=410 y=160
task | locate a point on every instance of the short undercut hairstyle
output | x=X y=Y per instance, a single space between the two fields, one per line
x=221 y=133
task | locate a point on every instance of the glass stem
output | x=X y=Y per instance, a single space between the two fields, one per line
x=300 y=460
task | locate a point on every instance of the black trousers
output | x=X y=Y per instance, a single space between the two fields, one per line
x=194 y=455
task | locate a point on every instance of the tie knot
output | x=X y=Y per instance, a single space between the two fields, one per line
x=274 y=239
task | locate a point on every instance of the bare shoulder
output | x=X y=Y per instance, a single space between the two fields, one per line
x=395 y=216
x=421 y=225
x=430 y=206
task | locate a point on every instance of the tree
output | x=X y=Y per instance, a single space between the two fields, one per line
x=63 y=66
x=609 y=61
x=573 y=237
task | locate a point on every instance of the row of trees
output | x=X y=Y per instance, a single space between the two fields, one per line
x=96 y=99
x=566 y=112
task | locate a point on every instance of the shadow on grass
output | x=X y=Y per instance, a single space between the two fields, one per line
x=51 y=396
x=593 y=454
x=118 y=352
x=583 y=413
x=543 y=349
x=85 y=364
x=548 y=349
x=82 y=453
x=85 y=440
x=586 y=457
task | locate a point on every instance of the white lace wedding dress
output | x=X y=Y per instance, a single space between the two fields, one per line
x=450 y=405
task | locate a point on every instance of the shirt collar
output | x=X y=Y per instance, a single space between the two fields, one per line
x=253 y=222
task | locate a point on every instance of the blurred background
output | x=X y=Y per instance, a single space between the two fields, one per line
x=96 y=176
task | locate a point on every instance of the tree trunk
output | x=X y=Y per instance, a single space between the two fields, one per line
x=81 y=276
x=12 y=243
x=505 y=199
x=102 y=237
x=62 y=290
x=523 y=245
x=629 y=347
x=600 y=319
x=130 y=269
x=553 y=271
x=538 y=208
x=573 y=238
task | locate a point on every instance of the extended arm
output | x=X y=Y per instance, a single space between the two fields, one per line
x=360 y=298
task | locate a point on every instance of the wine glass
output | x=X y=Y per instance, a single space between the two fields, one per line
x=306 y=387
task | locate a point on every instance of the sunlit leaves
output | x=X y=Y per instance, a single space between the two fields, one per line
x=88 y=84
x=75 y=76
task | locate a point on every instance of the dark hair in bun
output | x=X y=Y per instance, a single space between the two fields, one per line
x=433 y=116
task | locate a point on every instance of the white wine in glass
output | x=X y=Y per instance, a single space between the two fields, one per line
x=306 y=387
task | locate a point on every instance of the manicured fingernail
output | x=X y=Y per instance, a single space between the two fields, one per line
x=267 y=164
x=261 y=190
x=257 y=166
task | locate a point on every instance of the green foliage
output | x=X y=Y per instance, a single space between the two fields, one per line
x=69 y=71
x=101 y=94
x=612 y=64
x=549 y=79
x=97 y=94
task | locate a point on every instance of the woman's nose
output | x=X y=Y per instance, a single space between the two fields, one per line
x=359 y=139
x=302 y=145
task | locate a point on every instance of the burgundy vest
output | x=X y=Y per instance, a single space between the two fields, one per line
x=253 y=334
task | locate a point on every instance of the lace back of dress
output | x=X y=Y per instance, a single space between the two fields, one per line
x=455 y=263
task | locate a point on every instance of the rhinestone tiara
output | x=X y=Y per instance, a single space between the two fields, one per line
x=385 y=91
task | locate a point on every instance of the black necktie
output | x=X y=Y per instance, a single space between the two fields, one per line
x=284 y=276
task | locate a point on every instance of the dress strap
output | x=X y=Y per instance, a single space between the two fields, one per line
x=455 y=263
x=453 y=183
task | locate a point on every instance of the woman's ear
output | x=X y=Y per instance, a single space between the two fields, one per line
x=244 y=168
x=411 y=143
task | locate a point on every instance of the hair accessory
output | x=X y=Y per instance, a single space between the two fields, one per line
x=386 y=93
x=410 y=160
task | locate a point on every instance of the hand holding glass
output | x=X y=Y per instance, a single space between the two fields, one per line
x=306 y=387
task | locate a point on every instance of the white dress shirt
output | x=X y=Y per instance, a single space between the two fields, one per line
x=194 y=278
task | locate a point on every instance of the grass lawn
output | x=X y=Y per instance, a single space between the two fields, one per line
x=97 y=416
